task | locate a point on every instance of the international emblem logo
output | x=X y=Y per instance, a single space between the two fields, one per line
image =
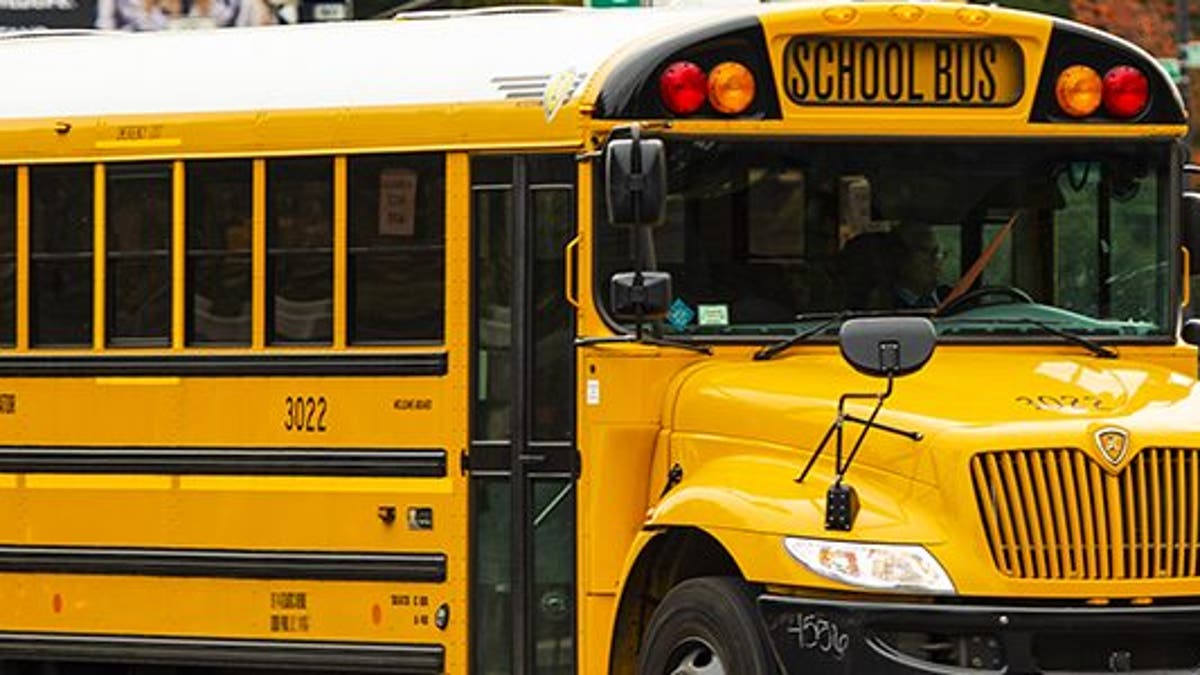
x=1113 y=444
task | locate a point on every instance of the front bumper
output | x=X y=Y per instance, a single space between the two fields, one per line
x=831 y=636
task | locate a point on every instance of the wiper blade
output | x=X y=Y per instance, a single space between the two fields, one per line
x=768 y=352
x=1074 y=338
x=1090 y=345
x=644 y=339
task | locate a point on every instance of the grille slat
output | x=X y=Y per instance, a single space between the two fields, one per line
x=1131 y=529
x=1194 y=505
x=1012 y=561
x=1033 y=515
x=1017 y=507
x=1053 y=552
x=1059 y=514
x=991 y=523
x=1065 y=550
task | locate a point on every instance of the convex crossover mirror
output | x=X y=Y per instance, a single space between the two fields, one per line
x=647 y=300
x=887 y=346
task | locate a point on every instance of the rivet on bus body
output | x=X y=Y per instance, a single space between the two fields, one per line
x=907 y=13
x=840 y=15
x=973 y=16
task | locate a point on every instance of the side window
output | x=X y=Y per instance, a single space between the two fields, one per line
x=219 y=198
x=300 y=251
x=397 y=240
x=138 y=259
x=8 y=256
x=60 y=232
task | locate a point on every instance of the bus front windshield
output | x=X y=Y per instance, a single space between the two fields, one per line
x=996 y=240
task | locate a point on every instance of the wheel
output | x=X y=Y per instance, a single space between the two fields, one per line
x=1007 y=294
x=706 y=626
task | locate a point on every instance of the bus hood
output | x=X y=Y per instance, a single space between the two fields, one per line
x=965 y=400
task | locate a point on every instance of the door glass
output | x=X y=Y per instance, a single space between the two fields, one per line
x=493 y=291
x=491 y=592
x=552 y=211
x=554 y=576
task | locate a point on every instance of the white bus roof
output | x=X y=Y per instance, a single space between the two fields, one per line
x=431 y=59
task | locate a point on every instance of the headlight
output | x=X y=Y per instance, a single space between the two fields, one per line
x=889 y=567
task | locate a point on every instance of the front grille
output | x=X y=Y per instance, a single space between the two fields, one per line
x=1058 y=514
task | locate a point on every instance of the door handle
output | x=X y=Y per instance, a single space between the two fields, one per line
x=569 y=290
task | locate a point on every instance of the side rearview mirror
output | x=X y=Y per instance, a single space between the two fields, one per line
x=887 y=346
x=636 y=182
x=640 y=297
x=1191 y=229
x=1191 y=332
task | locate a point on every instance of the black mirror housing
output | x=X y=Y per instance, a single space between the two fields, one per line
x=1191 y=331
x=890 y=346
x=636 y=182
x=648 y=300
x=1191 y=229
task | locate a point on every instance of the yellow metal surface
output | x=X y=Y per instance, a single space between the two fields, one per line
x=266 y=609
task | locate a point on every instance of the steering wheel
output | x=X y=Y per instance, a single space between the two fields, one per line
x=977 y=297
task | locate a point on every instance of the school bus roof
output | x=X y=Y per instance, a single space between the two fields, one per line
x=445 y=58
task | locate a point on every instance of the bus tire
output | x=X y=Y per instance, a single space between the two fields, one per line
x=706 y=626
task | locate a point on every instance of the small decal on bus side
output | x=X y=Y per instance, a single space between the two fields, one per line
x=305 y=413
x=421 y=404
x=289 y=612
x=593 y=392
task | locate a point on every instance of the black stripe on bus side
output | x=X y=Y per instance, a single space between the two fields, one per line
x=217 y=563
x=392 y=463
x=393 y=657
x=264 y=365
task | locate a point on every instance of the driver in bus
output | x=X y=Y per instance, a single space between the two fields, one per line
x=918 y=267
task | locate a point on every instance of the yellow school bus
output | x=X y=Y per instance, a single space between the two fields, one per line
x=813 y=338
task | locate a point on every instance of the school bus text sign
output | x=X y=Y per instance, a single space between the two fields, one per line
x=824 y=70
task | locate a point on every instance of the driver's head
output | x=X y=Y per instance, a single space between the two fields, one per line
x=920 y=263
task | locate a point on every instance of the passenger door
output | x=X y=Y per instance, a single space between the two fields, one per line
x=522 y=455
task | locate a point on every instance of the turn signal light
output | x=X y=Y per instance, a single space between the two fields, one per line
x=1126 y=92
x=730 y=88
x=683 y=87
x=1078 y=91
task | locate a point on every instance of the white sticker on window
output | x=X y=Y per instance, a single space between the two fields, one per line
x=713 y=315
x=593 y=392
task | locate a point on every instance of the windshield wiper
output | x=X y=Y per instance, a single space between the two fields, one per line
x=643 y=339
x=1074 y=338
x=1090 y=345
x=831 y=318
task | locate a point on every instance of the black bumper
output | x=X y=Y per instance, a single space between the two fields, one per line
x=832 y=636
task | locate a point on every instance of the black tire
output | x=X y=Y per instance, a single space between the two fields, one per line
x=706 y=626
